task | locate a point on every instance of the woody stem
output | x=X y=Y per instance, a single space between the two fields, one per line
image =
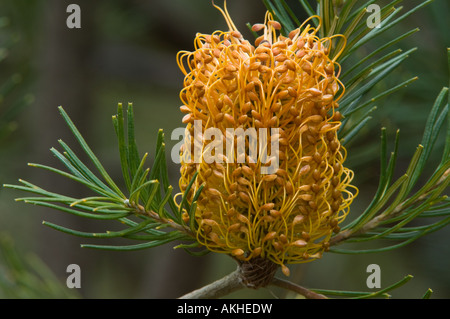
x=218 y=288
x=236 y=281
x=308 y=294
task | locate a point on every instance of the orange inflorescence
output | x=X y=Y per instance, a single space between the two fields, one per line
x=289 y=83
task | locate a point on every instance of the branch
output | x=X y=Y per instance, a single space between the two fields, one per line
x=219 y=288
x=139 y=209
x=234 y=282
x=346 y=234
x=308 y=294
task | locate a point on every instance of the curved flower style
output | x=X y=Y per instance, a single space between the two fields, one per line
x=289 y=83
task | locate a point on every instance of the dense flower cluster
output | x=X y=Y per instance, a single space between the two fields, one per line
x=289 y=83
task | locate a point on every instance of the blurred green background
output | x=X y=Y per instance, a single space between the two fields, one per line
x=125 y=52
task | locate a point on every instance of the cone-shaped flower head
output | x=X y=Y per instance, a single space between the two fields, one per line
x=284 y=86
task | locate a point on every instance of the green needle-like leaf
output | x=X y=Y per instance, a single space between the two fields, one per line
x=184 y=202
x=91 y=154
x=428 y=294
x=133 y=154
x=143 y=185
x=118 y=122
x=150 y=244
x=365 y=295
x=389 y=288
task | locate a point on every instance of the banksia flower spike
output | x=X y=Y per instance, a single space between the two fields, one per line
x=271 y=209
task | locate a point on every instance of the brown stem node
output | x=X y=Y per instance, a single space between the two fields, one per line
x=257 y=272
